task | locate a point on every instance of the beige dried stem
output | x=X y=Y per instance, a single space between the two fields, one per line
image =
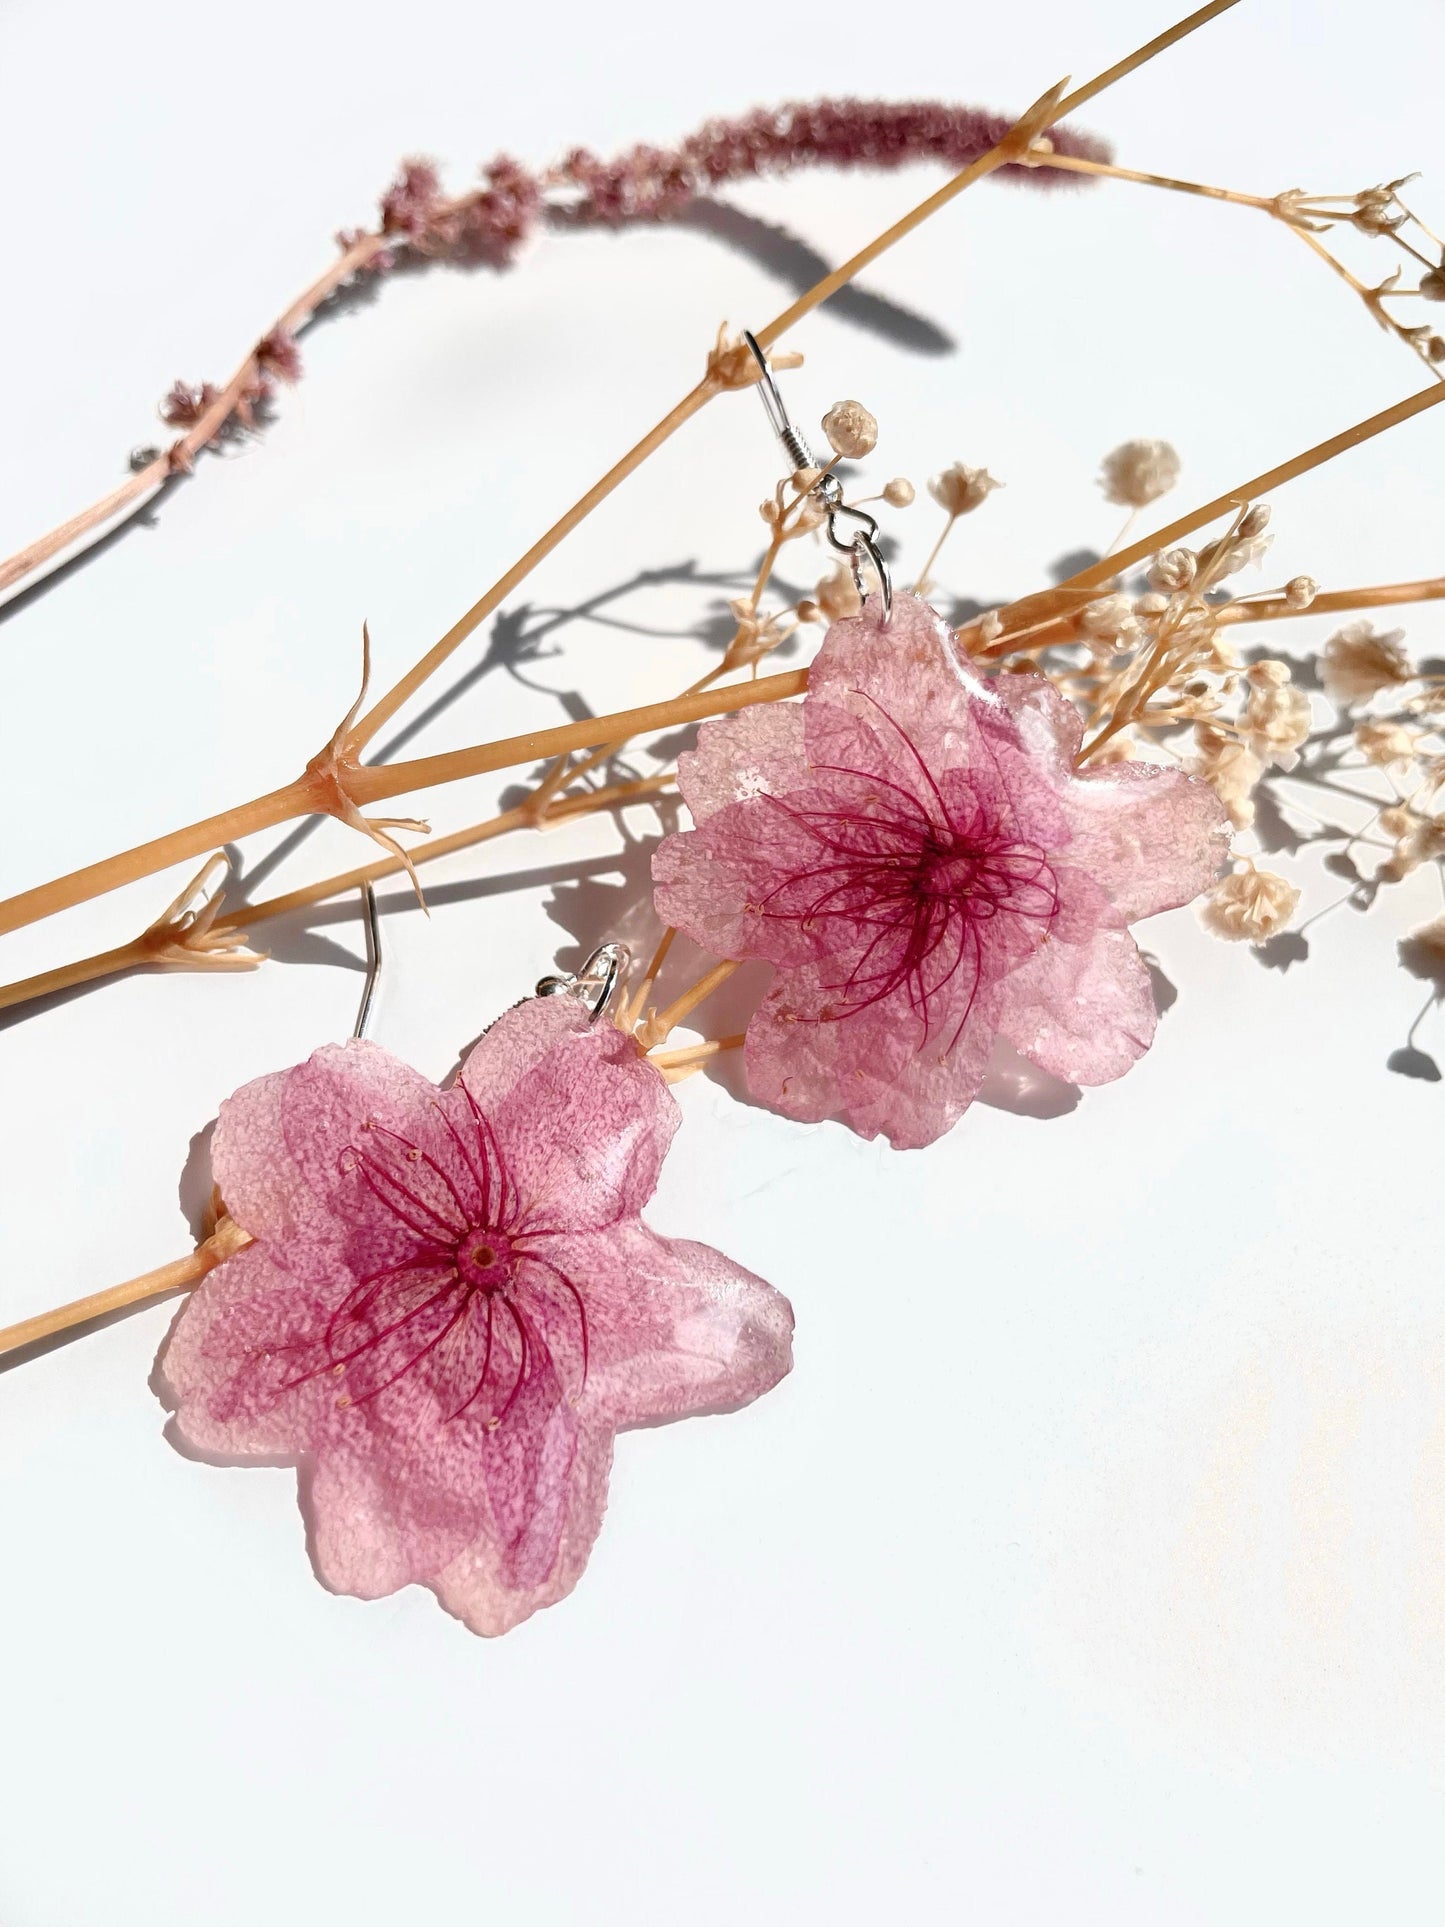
x=1306 y=216
x=185 y=936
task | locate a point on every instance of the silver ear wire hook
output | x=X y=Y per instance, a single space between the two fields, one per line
x=595 y=982
x=862 y=544
x=373 y=959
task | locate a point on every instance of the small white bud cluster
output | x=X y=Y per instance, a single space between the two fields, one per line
x=1249 y=906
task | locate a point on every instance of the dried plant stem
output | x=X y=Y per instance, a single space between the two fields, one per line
x=179 y=456
x=1272 y=206
x=1265 y=608
x=180 y=1276
x=680 y=1007
x=1332 y=601
x=308 y=794
x=1015 y=145
x=1071 y=594
x=382 y=711
x=635 y=1004
x=1042 y=157
x=1050 y=107
x=521 y=817
x=141 y=952
x=921 y=586
x=677 y=1064
x=1257 y=486
x=106 y=963
x=1370 y=296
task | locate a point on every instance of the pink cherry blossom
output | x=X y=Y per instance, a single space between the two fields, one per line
x=914 y=850
x=451 y=1305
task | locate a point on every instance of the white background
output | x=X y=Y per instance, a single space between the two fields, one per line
x=1091 y=1565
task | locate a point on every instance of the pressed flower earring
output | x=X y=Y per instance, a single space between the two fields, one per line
x=450 y=1303
x=916 y=849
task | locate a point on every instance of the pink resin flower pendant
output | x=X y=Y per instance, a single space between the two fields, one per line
x=914 y=849
x=452 y=1305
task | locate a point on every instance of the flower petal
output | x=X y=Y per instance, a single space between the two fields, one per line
x=1084 y=1011
x=909 y=672
x=581 y=1119
x=486 y=1595
x=758 y=752
x=876 y=1070
x=365 y=1134
x=370 y=1535
x=673 y=1328
x=218 y=1364
x=1154 y=838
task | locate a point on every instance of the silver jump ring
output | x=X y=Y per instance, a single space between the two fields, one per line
x=594 y=984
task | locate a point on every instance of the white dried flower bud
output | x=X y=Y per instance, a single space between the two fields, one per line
x=770 y=513
x=808 y=610
x=1276 y=721
x=1172 y=571
x=1231 y=770
x=755 y=637
x=1138 y=473
x=1111 y=619
x=804 y=514
x=1377 y=211
x=1421 y=840
x=1249 y=906
x=1429 y=942
x=1395 y=820
x=1300 y=591
x=804 y=479
x=1267 y=674
x=1386 y=745
x=1152 y=604
x=1256 y=521
x=837 y=595
x=1357 y=662
x=851 y=430
x=959 y=490
x=899 y=492
x=732 y=363
x=1432 y=285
